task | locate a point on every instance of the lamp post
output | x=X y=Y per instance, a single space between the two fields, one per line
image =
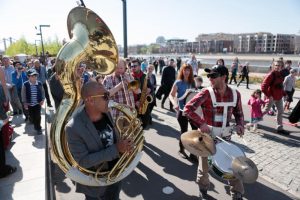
x=41 y=34
x=125 y=28
x=36 y=51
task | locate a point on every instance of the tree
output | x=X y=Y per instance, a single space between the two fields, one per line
x=22 y=46
x=53 y=47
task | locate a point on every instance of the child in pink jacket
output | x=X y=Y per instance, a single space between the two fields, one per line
x=256 y=104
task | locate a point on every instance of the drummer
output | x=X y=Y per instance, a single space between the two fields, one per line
x=184 y=82
x=218 y=102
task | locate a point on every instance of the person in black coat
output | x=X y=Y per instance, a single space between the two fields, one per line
x=167 y=81
x=56 y=89
x=245 y=74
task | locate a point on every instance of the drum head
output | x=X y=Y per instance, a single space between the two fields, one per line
x=224 y=156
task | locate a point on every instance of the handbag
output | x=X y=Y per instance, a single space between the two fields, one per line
x=7 y=132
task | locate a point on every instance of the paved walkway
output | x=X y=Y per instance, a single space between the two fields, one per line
x=277 y=156
x=27 y=153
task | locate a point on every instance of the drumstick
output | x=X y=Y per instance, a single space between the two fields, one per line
x=222 y=140
x=244 y=141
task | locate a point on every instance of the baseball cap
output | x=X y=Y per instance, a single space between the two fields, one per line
x=293 y=70
x=217 y=70
x=31 y=72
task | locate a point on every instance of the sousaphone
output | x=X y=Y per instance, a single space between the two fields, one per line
x=92 y=44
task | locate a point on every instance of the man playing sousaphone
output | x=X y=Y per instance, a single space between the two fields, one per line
x=218 y=102
x=93 y=139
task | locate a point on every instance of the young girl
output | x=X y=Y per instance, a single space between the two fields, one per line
x=198 y=82
x=256 y=104
x=289 y=88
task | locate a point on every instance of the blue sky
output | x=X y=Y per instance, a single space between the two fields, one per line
x=148 y=19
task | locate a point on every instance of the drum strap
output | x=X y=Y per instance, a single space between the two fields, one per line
x=223 y=104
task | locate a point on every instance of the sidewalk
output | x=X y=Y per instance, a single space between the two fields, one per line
x=277 y=156
x=27 y=153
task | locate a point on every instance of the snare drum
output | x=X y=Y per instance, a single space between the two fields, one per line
x=220 y=163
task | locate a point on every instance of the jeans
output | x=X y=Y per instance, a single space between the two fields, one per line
x=112 y=192
x=279 y=106
x=236 y=185
x=183 y=123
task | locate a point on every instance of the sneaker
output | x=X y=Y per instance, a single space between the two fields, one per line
x=183 y=154
x=193 y=158
x=283 y=132
x=172 y=110
x=237 y=196
x=203 y=194
x=8 y=170
x=248 y=127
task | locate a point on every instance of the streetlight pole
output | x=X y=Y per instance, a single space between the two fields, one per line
x=36 y=51
x=41 y=34
x=125 y=28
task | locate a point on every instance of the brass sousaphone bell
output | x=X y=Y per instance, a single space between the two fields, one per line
x=93 y=44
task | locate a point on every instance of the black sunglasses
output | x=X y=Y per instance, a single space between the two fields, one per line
x=105 y=96
x=132 y=66
x=213 y=75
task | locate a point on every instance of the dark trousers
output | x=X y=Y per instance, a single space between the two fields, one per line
x=166 y=95
x=233 y=77
x=46 y=94
x=183 y=123
x=35 y=116
x=145 y=118
x=14 y=100
x=112 y=192
x=247 y=80
x=2 y=153
x=25 y=112
x=155 y=67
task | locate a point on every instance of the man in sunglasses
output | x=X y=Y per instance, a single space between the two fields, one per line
x=139 y=75
x=93 y=140
x=218 y=102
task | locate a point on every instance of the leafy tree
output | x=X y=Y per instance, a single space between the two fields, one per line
x=22 y=46
x=52 y=47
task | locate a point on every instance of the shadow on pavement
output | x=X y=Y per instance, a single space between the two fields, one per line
x=288 y=140
x=165 y=130
x=261 y=191
x=170 y=164
x=150 y=187
x=39 y=141
x=243 y=147
x=7 y=184
x=58 y=179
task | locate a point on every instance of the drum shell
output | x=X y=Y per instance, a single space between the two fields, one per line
x=220 y=163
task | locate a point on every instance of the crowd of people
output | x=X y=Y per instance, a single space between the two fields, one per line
x=24 y=89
